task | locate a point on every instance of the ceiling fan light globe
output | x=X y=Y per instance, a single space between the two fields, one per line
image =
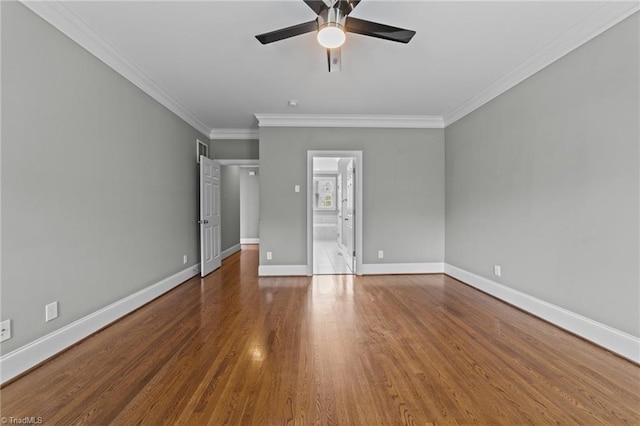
x=331 y=36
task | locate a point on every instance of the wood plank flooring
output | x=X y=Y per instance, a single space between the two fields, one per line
x=414 y=349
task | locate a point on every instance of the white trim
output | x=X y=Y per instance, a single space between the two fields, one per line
x=249 y=240
x=357 y=155
x=402 y=268
x=65 y=20
x=28 y=356
x=610 y=338
x=234 y=134
x=337 y=120
x=596 y=23
x=282 y=270
x=231 y=250
x=246 y=163
x=199 y=143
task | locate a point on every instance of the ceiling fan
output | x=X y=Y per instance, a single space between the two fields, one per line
x=331 y=24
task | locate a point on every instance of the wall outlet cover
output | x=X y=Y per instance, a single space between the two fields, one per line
x=51 y=311
x=380 y=254
x=269 y=255
x=5 y=330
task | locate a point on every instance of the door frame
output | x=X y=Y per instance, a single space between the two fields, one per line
x=242 y=162
x=357 y=155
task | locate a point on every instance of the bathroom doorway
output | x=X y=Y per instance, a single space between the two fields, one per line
x=333 y=213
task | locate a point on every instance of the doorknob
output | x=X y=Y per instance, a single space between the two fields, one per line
x=203 y=222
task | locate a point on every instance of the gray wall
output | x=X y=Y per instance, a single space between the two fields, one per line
x=544 y=181
x=99 y=181
x=403 y=191
x=230 y=206
x=249 y=203
x=234 y=149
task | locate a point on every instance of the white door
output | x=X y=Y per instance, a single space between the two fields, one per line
x=349 y=216
x=340 y=201
x=210 y=256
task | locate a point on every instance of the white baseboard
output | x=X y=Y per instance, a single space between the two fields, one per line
x=249 y=240
x=28 y=356
x=228 y=252
x=617 y=341
x=282 y=270
x=402 y=268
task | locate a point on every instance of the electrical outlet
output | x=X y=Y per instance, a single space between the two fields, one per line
x=5 y=330
x=380 y=254
x=51 y=311
x=269 y=255
x=296 y=188
x=184 y=259
x=496 y=270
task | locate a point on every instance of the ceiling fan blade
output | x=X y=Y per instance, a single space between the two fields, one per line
x=373 y=29
x=316 y=5
x=347 y=6
x=334 y=59
x=283 y=33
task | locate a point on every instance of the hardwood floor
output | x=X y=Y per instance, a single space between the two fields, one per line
x=235 y=349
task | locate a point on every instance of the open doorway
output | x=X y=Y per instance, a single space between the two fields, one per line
x=333 y=215
x=239 y=204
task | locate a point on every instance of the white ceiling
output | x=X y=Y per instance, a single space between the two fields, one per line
x=204 y=58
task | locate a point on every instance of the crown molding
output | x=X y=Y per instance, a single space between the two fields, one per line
x=234 y=134
x=66 y=21
x=596 y=23
x=339 y=120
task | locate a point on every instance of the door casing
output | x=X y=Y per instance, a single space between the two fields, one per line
x=357 y=155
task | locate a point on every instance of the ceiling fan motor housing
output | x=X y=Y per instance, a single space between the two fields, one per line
x=331 y=17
